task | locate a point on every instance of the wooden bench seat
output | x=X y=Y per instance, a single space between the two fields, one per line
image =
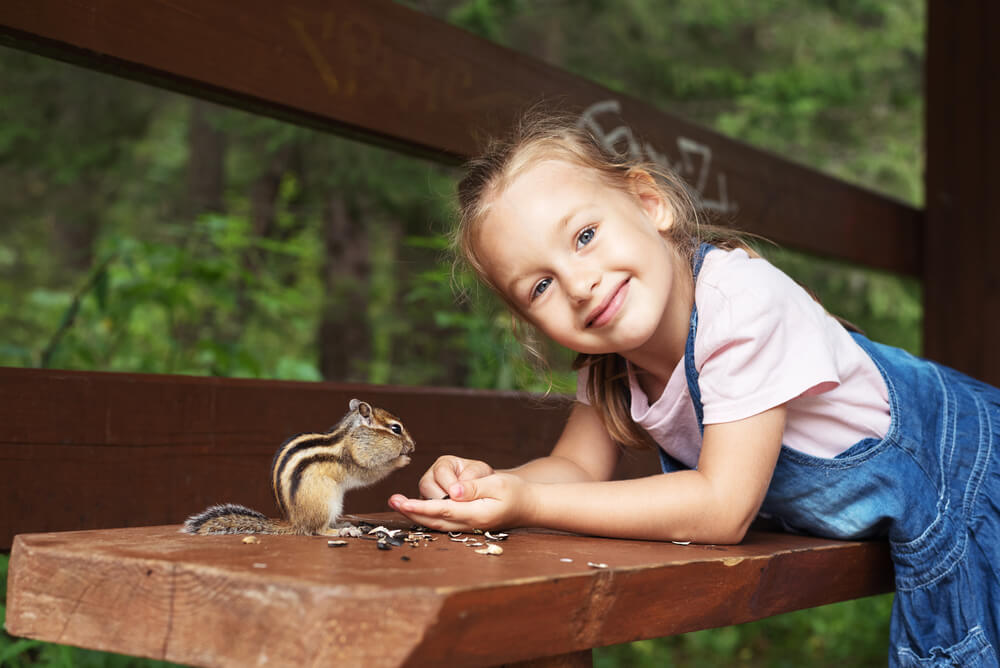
x=292 y=600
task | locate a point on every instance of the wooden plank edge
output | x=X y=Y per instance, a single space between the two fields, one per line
x=150 y=589
x=583 y=612
x=191 y=87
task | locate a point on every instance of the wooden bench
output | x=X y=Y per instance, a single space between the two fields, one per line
x=96 y=451
x=113 y=460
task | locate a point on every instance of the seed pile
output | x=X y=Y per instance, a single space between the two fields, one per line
x=489 y=547
x=387 y=539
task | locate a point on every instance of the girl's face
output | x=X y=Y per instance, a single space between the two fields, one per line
x=585 y=262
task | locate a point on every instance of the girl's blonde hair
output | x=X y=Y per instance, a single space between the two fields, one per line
x=540 y=136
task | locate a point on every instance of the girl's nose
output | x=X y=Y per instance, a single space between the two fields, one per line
x=582 y=286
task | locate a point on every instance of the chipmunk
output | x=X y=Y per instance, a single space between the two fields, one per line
x=311 y=472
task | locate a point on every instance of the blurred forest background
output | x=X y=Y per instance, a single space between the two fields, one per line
x=145 y=231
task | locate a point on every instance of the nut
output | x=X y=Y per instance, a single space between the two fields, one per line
x=492 y=548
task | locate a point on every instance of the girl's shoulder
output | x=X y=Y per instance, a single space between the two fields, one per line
x=734 y=283
x=737 y=270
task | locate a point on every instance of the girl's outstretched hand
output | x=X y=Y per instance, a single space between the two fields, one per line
x=497 y=500
x=436 y=483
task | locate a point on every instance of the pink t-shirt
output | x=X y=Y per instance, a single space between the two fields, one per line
x=763 y=341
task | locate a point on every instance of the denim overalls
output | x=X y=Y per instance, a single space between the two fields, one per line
x=932 y=486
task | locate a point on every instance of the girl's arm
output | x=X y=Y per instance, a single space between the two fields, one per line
x=713 y=504
x=584 y=452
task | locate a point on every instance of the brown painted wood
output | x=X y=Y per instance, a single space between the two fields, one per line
x=216 y=601
x=961 y=274
x=85 y=450
x=582 y=659
x=381 y=72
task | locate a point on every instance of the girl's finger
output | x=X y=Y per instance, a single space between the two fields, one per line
x=429 y=487
x=446 y=470
x=433 y=513
x=441 y=475
x=474 y=469
x=478 y=488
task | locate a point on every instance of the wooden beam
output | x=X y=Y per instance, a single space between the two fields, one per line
x=82 y=450
x=291 y=600
x=383 y=73
x=961 y=273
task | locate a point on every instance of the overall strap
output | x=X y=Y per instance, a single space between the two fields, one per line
x=689 y=369
x=667 y=462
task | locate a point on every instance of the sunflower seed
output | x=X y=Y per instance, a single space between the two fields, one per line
x=492 y=548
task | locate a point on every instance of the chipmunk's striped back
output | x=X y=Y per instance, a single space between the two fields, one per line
x=296 y=455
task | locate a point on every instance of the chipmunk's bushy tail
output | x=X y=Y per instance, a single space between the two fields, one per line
x=231 y=518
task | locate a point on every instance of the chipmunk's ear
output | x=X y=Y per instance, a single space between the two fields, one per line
x=361 y=407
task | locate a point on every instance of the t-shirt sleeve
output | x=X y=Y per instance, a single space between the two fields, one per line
x=761 y=339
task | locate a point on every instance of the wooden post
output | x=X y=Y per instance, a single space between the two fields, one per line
x=962 y=230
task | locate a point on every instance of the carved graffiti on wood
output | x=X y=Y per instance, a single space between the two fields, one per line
x=694 y=163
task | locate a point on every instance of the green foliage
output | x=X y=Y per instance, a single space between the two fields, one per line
x=853 y=633
x=176 y=305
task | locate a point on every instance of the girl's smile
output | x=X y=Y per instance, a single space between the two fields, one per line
x=585 y=262
x=609 y=308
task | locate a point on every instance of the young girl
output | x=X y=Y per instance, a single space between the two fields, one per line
x=758 y=400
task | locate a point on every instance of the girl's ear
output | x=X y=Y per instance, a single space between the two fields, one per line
x=651 y=199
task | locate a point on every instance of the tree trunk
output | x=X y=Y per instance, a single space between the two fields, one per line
x=344 y=337
x=206 y=161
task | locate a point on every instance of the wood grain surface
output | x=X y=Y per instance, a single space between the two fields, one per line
x=383 y=73
x=291 y=600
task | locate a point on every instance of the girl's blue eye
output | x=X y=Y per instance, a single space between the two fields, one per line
x=540 y=287
x=585 y=237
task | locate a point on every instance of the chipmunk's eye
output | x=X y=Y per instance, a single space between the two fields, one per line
x=396 y=428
